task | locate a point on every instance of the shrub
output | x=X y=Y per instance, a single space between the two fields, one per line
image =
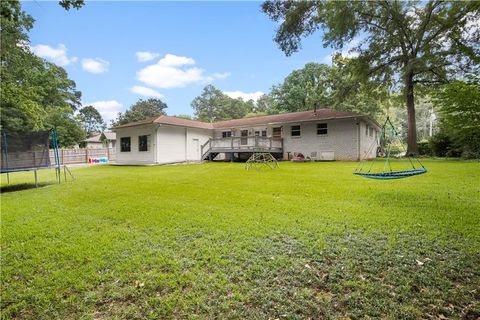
x=442 y=145
x=424 y=148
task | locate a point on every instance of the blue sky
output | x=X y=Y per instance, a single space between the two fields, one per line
x=119 y=52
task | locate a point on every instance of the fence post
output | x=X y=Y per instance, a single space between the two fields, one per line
x=63 y=156
x=86 y=155
x=108 y=154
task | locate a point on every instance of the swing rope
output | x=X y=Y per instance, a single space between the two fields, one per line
x=388 y=174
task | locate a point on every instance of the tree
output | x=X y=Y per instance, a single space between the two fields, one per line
x=67 y=4
x=459 y=104
x=184 y=116
x=141 y=110
x=69 y=130
x=414 y=42
x=30 y=85
x=91 y=120
x=214 y=105
x=264 y=104
x=321 y=86
x=303 y=88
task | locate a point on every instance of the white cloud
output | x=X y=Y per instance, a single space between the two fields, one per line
x=56 y=55
x=173 y=71
x=148 y=92
x=348 y=51
x=143 y=56
x=96 y=65
x=171 y=60
x=107 y=108
x=222 y=75
x=244 y=95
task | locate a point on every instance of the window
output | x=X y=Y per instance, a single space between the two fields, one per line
x=371 y=131
x=366 y=130
x=264 y=133
x=277 y=133
x=144 y=143
x=322 y=128
x=226 y=134
x=296 y=131
x=125 y=144
x=257 y=133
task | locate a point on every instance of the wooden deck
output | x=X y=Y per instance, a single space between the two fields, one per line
x=242 y=144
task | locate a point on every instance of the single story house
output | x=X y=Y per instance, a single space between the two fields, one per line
x=100 y=140
x=323 y=134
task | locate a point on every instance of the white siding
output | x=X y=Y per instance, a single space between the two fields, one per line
x=179 y=144
x=341 y=139
x=368 y=144
x=135 y=156
x=195 y=139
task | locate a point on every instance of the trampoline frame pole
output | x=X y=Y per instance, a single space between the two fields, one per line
x=55 y=153
x=5 y=148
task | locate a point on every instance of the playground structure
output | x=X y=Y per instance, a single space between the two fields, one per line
x=388 y=139
x=30 y=152
x=261 y=160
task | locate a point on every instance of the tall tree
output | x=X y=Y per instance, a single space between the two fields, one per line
x=69 y=130
x=32 y=88
x=214 y=105
x=141 y=110
x=459 y=104
x=91 y=119
x=415 y=42
x=322 y=86
x=303 y=89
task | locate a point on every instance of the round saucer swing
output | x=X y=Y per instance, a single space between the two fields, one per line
x=415 y=168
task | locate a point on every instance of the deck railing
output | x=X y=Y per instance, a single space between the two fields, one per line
x=242 y=144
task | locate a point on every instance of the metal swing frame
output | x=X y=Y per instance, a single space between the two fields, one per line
x=389 y=174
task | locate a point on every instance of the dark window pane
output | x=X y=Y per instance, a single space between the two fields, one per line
x=125 y=144
x=296 y=132
x=143 y=142
x=322 y=128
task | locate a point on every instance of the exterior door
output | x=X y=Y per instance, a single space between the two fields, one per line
x=196 y=148
x=277 y=133
x=244 y=139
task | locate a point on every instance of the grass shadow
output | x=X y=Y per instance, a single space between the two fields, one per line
x=23 y=186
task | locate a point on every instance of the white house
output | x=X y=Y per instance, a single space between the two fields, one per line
x=100 y=140
x=322 y=135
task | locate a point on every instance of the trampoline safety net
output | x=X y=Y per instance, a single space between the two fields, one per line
x=28 y=151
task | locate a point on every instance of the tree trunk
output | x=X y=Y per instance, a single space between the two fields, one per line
x=412 y=148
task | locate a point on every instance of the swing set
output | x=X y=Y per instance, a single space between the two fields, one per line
x=386 y=143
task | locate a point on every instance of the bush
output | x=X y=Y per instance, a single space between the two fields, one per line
x=442 y=145
x=424 y=148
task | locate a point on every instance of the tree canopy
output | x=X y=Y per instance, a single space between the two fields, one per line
x=323 y=86
x=214 y=105
x=141 y=110
x=91 y=120
x=32 y=89
x=412 y=42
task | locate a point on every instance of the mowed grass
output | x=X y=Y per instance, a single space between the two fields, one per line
x=306 y=240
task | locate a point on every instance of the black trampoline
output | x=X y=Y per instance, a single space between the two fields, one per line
x=30 y=152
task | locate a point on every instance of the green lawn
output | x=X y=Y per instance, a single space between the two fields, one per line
x=216 y=241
